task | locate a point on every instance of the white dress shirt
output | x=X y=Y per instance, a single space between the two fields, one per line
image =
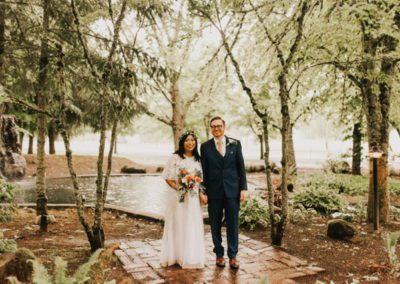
x=223 y=141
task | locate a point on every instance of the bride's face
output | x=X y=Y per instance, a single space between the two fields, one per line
x=190 y=143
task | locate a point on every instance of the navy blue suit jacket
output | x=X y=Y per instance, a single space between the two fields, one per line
x=223 y=176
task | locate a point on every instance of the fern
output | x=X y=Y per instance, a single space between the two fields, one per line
x=41 y=275
x=7 y=245
x=13 y=280
x=60 y=272
x=390 y=241
x=80 y=275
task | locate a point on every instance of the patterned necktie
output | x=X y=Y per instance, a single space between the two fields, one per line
x=219 y=147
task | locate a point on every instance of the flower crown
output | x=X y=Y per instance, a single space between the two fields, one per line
x=187 y=133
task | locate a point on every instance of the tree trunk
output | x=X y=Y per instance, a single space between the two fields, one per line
x=41 y=98
x=206 y=123
x=3 y=14
x=261 y=139
x=376 y=99
x=115 y=146
x=52 y=134
x=21 y=140
x=267 y=163
x=2 y=41
x=30 y=146
x=277 y=238
x=178 y=115
x=357 y=149
x=291 y=155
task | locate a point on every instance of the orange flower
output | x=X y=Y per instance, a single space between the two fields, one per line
x=189 y=178
x=198 y=179
x=184 y=172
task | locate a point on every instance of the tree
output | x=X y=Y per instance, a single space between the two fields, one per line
x=366 y=50
x=41 y=99
x=173 y=39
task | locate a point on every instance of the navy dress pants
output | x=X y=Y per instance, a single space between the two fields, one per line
x=216 y=210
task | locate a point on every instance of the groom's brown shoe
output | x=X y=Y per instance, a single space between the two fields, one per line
x=233 y=263
x=220 y=262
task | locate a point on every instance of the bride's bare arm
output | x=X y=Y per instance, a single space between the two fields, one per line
x=172 y=183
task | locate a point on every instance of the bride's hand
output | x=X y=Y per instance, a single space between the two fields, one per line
x=203 y=199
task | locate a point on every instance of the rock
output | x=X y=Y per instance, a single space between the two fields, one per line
x=132 y=170
x=12 y=163
x=50 y=219
x=14 y=166
x=340 y=229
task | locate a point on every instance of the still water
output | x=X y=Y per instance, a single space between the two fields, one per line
x=137 y=192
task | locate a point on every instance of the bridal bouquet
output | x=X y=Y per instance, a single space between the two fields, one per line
x=189 y=183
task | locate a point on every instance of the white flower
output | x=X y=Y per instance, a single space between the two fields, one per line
x=231 y=142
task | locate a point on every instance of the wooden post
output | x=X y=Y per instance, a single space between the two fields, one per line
x=375 y=155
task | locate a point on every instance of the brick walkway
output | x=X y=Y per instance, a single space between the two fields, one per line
x=257 y=260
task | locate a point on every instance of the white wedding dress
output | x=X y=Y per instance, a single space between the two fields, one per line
x=183 y=237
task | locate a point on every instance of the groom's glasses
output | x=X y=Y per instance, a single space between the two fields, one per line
x=216 y=126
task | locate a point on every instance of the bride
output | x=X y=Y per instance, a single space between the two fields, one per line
x=183 y=237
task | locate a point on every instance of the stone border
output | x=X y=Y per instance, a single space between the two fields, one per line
x=130 y=212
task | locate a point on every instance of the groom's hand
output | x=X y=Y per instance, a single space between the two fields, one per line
x=243 y=195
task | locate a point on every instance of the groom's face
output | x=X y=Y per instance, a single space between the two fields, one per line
x=217 y=128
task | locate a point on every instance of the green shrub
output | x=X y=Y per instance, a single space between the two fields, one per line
x=346 y=184
x=300 y=214
x=41 y=275
x=337 y=166
x=7 y=195
x=323 y=201
x=7 y=245
x=390 y=241
x=254 y=212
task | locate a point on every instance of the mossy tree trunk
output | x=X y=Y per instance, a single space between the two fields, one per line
x=357 y=149
x=30 y=145
x=41 y=100
x=95 y=232
x=52 y=134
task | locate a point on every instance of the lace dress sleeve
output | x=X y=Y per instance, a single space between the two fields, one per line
x=169 y=171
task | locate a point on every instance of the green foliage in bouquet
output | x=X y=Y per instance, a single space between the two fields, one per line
x=254 y=212
x=322 y=200
x=7 y=195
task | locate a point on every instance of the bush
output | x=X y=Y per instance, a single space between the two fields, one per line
x=254 y=212
x=41 y=275
x=132 y=170
x=337 y=166
x=321 y=200
x=300 y=214
x=7 y=245
x=7 y=195
x=346 y=184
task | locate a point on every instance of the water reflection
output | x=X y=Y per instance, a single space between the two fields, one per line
x=138 y=192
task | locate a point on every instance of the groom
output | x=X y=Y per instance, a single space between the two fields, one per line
x=225 y=185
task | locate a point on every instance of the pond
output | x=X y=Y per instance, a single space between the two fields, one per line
x=135 y=192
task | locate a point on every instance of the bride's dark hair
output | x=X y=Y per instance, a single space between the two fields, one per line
x=181 y=147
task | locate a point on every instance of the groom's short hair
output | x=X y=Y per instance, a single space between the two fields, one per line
x=217 y=118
